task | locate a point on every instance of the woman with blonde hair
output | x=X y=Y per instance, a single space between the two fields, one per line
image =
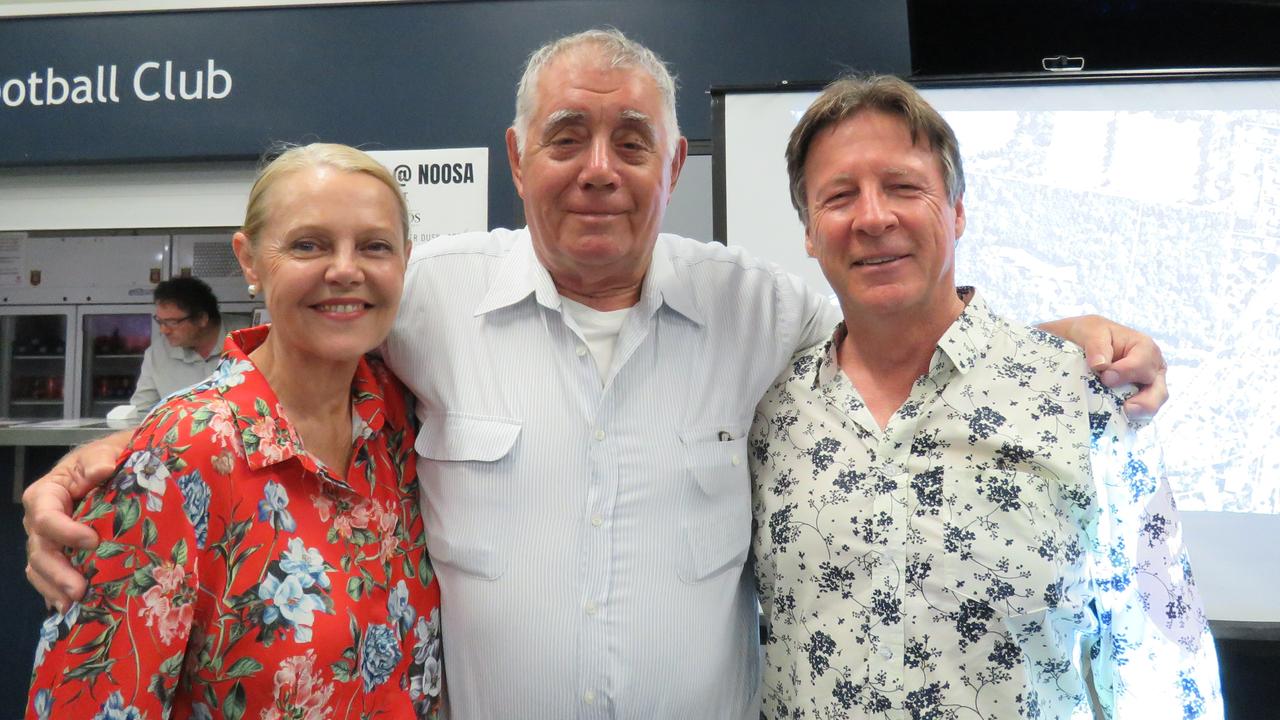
x=263 y=552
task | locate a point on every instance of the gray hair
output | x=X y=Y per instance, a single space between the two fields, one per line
x=849 y=96
x=616 y=51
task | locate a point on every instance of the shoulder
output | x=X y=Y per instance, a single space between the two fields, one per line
x=692 y=253
x=719 y=271
x=494 y=243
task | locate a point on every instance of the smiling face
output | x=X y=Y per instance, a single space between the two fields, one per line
x=330 y=261
x=596 y=172
x=880 y=224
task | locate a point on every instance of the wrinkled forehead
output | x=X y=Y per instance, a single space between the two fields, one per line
x=581 y=72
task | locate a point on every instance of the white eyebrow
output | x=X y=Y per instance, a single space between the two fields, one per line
x=561 y=117
x=637 y=116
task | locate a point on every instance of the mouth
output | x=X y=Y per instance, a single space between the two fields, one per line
x=879 y=260
x=344 y=308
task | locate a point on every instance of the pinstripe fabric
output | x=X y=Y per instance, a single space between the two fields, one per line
x=589 y=541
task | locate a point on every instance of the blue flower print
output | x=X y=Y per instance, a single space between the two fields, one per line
x=285 y=598
x=399 y=610
x=146 y=469
x=304 y=563
x=274 y=508
x=42 y=703
x=115 y=709
x=380 y=655
x=195 y=503
x=230 y=373
x=48 y=636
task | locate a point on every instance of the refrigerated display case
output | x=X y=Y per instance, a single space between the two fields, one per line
x=37 y=357
x=112 y=339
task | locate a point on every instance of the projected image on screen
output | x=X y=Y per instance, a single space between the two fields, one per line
x=1155 y=204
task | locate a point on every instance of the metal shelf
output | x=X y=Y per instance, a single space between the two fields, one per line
x=36 y=402
x=39 y=357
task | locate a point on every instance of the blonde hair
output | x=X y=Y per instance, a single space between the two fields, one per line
x=315 y=155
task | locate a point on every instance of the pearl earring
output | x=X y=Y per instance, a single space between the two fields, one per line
x=253 y=290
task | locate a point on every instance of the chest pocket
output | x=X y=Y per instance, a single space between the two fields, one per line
x=716 y=522
x=467 y=484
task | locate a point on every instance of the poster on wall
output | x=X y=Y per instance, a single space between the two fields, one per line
x=11 y=259
x=447 y=190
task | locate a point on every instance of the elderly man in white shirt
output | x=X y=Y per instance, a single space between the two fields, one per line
x=585 y=388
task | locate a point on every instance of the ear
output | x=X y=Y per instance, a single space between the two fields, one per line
x=677 y=164
x=959 y=218
x=810 y=245
x=513 y=159
x=244 y=254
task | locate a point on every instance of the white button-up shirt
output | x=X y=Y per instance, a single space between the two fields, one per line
x=589 y=539
x=998 y=550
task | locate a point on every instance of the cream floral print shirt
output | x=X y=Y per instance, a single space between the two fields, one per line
x=1002 y=549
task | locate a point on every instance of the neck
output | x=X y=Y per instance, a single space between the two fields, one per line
x=208 y=342
x=883 y=355
x=603 y=299
x=308 y=390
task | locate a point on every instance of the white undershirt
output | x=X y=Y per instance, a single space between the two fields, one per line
x=599 y=330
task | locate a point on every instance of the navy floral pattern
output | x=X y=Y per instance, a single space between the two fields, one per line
x=1002 y=548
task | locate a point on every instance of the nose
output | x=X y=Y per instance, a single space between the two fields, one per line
x=872 y=214
x=344 y=267
x=599 y=170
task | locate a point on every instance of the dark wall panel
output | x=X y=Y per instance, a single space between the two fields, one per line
x=436 y=74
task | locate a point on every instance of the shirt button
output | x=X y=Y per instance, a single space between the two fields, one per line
x=886 y=653
x=581 y=351
x=596 y=521
x=592 y=608
x=736 y=460
x=600 y=435
x=588 y=697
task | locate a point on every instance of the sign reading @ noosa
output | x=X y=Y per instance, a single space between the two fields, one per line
x=151 y=81
x=447 y=190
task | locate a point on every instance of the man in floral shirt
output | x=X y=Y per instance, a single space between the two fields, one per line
x=951 y=520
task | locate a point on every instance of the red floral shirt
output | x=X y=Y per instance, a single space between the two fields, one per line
x=238 y=577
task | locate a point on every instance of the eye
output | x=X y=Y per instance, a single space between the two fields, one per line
x=381 y=247
x=305 y=246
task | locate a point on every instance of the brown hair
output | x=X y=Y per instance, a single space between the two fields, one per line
x=849 y=96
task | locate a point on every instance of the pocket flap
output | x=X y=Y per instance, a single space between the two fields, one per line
x=459 y=436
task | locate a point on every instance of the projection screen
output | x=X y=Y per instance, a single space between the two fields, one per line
x=1153 y=202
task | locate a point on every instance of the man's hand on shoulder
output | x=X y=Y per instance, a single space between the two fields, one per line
x=1119 y=355
x=47 y=505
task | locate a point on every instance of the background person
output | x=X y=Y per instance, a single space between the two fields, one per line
x=262 y=546
x=953 y=519
x=585 y=387
x=186 y=311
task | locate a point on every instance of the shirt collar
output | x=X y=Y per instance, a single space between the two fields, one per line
x=521 y=274
x=968 y=337
x=963 y=343
x=664 y=286
x=260 y=421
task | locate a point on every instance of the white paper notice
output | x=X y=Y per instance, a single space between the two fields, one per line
x=447 y=190
x=12 y=259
